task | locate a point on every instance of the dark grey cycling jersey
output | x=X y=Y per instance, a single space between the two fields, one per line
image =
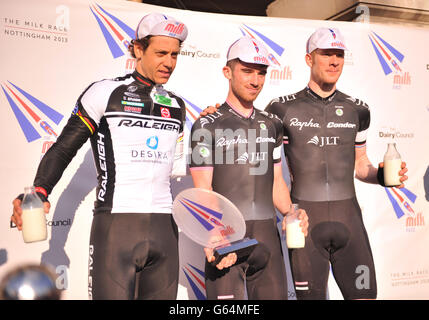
x=241 y=151
x=320 y=135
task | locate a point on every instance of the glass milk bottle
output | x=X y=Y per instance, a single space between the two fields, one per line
x=33 y=217
x=392 y=166
x=294 y=235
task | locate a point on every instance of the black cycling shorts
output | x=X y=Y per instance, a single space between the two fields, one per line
x=263 y=270
x=133 y=256
x=336 y=236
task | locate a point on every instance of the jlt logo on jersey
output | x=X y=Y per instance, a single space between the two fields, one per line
x=252 y=157
x=324 y=141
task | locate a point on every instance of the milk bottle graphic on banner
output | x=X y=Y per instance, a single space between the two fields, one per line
x=392 y=166
x=33 y=217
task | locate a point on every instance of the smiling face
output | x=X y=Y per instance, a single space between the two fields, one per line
x=326 y=65
x=246 y=79
x=159 y=59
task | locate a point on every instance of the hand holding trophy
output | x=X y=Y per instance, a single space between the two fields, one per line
x=212 y=221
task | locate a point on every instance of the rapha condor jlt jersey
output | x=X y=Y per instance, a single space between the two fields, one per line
x=242 y=152
x=133 y=126
x=320 y=135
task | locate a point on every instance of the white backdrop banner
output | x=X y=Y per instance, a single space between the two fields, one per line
x=52 y=50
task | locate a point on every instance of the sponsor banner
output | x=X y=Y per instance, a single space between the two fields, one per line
x=52 y=50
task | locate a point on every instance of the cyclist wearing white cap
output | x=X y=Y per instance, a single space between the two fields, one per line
x=133 y=124
x=324 y=142
x=237 y=152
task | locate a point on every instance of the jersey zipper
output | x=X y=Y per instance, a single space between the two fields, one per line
x=325 y=114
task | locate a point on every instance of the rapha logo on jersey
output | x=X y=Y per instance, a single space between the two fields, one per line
x=324 y=141
x=390 y=60
x=403 y=201
x=196 y=280
x=278 y=73
x=116 y=33
x=223 y=142
x=31 y=122
x=207 y=217
x=295 y=122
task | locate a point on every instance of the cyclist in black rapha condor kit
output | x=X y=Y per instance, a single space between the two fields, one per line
x=135 y=127
x=324 y=143
x=237 y=153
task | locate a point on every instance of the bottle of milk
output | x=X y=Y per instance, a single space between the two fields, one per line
x=294 y=235
x=33 y=217
x=392 y=166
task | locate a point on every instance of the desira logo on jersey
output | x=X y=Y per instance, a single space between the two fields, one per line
x=324 y=141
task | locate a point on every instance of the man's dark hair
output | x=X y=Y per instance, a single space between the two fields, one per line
x=232 y=63
x=143 y=42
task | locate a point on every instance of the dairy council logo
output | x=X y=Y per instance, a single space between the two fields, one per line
x=402 y=201
x=195 y=279
x=195 y=52
x=390 y=60
x=278 y=73
x=32 y=124
x=116 y=33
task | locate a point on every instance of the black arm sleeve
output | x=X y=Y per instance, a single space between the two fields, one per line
x=58 y=157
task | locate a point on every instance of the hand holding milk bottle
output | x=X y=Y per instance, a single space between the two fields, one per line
x=33 y=217
x=392 y=166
